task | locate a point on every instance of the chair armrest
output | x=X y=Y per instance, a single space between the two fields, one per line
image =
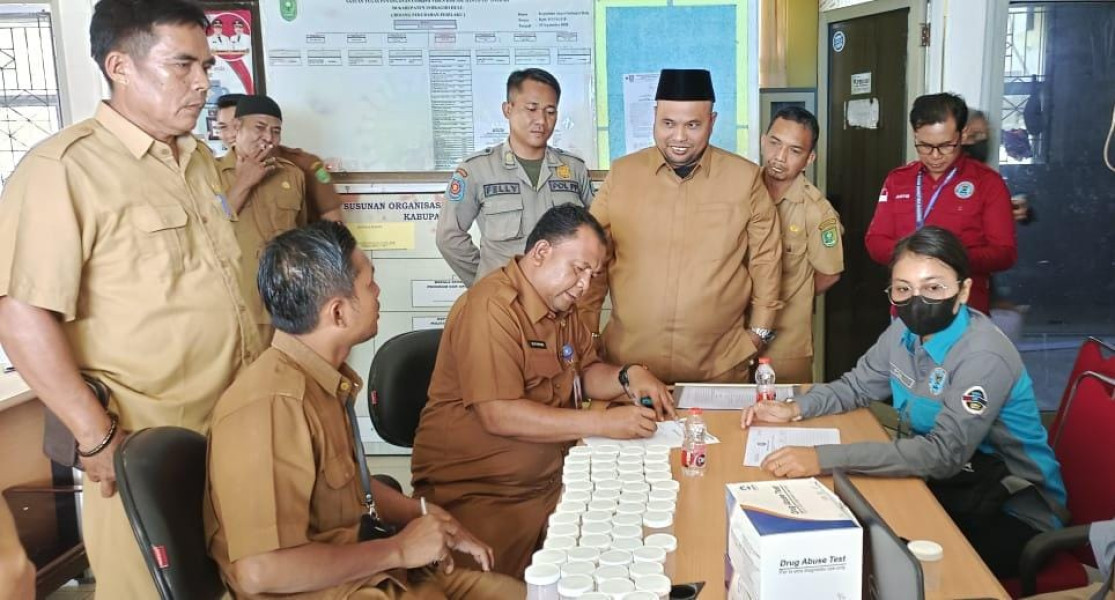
x=1044 y=545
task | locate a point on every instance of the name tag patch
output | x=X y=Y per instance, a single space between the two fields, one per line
x=537 y=344
x=500 y=189
x=561 y=185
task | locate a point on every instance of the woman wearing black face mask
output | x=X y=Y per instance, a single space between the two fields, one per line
x=968 y=420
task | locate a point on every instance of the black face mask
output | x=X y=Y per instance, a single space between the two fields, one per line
x=926 y=319
x=978 y=150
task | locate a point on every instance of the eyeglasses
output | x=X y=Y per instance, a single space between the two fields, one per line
x=942 y=149
x=900 y=294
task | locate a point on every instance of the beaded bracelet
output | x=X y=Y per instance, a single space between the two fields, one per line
x=113 y=422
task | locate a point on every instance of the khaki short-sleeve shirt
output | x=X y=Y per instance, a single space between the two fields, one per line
x=276 y=205
x=281 y=466
x=812 y=243
x=102 y=225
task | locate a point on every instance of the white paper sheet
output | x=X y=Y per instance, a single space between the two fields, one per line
x=725 y=397
x=638 y=108
x=863 y=112
x=670 y=433
x=761 y=441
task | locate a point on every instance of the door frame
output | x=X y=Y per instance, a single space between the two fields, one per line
x=915 y=86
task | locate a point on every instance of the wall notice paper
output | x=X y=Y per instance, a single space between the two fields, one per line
x=861 y=83
x=761 y=441
x=862 y=113
x=638 y=110
x=417 y=323
x=670 y=433
x=383 y=236
x=435 y=293
x=725 y=396
x=404 y=85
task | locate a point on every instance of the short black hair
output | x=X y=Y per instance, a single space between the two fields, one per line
x=935 y=242
x=128 y=25
x=515 y=81
x=302 y=269
x=561 y=223
x=937 y=108
x=800 y=116
x=229 y=100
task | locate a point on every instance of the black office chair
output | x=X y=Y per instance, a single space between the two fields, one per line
x=160 y=473
x=398 y=383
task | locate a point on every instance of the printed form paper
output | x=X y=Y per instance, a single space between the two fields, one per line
x=725 y=397
x=670 y=433
x=761 y=441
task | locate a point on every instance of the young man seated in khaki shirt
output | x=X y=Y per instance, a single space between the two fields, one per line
x=286 y=493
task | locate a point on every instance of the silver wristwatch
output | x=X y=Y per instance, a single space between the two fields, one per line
x=766 y=335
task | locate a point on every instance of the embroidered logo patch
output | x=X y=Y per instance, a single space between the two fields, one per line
x=829 y=237
x=564 y=172
x=937 y=381
x=965 y=189
x=456 y=189
x=974 y=400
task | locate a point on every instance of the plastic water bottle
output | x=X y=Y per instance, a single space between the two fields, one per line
x=694 y=459
x=764 y=380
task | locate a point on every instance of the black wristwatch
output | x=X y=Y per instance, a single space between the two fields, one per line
x=624 y=380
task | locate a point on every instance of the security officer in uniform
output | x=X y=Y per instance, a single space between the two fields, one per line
x=965 y=402
x=814 y=254
x=266 y=192
x=118 y=261
x=506 y=188
x=695 y=257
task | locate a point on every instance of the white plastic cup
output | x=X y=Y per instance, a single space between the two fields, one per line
x=570 y=507
x=642 y=569
x=668 y=543
x=598 y=541
x=559 y=542
x=658 y=522
x=613 y=484
x=608 y=506
x=628 y=544
x=603 y=449
x=542 y=581
x=607 y=495
x=595 y=516
x=657 y=450
x=633 y=498
x=577 y=459
x=571 y=588
x=616 y=588
x=632 y=477
x=582 y=554
x=627 y=531
x=566 y=530
x=570 y=569
x=629 y=519
x=673 y=485
x=657 y=467
x=662 y=496
x=577 y=496
x=632 y=451
x=661 y=506
x=640 y=595
x=596 y=528
x=650 y=554
x=577 y=467
x=601 y=475
x=636 y=487
x=630 y=509
x=580 y=450
x=658 y=584
x=628 y=459
x=657 y=477
x=548 y=557
x=624 y=469
x=572 y=476
x=595 y=596
x=610 y=572
x=583 y=485
x=929 y=554
x=613 y=558
x=565 y=519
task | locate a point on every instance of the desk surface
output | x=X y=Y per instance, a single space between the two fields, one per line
x=906 y=504
x=13 y=390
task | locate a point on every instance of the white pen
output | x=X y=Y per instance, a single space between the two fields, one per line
x=422 y=504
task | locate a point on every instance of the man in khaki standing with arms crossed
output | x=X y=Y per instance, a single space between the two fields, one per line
x=118 y=261
x=813 y=256
x=694 y=259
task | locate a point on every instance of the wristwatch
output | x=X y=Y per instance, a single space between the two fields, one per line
x=624 y=380
x=765 y=335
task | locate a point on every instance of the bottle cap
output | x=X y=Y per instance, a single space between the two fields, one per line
x=542 y=574
x=926 y=551
x=764 y=361
x=575 y=586
x=696 y=411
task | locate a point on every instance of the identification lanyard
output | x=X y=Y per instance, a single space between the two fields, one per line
x=922 y=216
x=358 y=456
x=570 y=358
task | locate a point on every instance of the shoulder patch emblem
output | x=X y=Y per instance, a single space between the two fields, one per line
x=563 y=171
x=456 y=189
x=974 y=400
x=829 y=237
x=964 y=190
x=827 y=224
x=937 y=380
x=462 y=172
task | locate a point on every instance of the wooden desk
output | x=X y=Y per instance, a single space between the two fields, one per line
x=906 y=504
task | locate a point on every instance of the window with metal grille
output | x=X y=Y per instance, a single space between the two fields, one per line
x=29 y=104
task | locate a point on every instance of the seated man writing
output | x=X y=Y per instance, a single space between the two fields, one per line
x=289 y=500
x=514 y=362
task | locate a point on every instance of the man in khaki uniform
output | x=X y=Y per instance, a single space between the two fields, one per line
x=322 y=198
x=506 y=188
x=287 y=478
x=118 y=261
x=267 y=193
x=511 y=365
x=814 y=255
x=695 y=243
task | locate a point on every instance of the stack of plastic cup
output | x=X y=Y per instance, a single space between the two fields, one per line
x=658 y=522
x=548 y=557
x=610 y=572
x=559 y=542
x=574 y=587
x=568 y=518
x=668 y=543
x=629 y=544
x=639 y=569
x=576 y=496
x=565 y=530
x=596 y=528
x=615 y=558
x=600 y=542
x=583 y=554
x=542 y=582
x=658 y=584
x=616 y=588
x=570 y=569
x=627 y=531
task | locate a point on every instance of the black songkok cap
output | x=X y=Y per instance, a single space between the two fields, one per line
x=258 y=105
x=685 y=85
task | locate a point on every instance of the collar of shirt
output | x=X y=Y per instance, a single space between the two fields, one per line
x=795 y=193
x=137 y=141
x=704 y=166
x=939 y=345
x=960 y=164
x=339 y=384
x=532 y=301
x=510 y=163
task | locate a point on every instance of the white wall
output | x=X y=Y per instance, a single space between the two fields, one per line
x=967 y=39
x=82 y=85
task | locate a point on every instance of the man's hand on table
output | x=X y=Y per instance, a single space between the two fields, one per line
x=769 y=412
x=792 y=461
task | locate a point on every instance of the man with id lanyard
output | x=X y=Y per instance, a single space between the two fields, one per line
x=500 y=417
x=945 y=187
